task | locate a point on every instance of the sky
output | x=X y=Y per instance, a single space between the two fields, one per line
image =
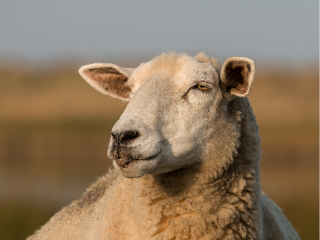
x=273 y=31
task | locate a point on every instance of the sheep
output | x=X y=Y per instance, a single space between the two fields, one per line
x=185 y=157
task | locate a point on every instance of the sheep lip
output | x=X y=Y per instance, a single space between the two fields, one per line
x=124 y=163
x=149 y=158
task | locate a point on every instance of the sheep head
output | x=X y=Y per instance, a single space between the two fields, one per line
x=174 y=101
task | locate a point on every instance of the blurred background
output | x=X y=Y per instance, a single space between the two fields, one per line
x=55 y=128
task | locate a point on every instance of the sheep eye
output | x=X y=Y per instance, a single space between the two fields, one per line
x=203 y=87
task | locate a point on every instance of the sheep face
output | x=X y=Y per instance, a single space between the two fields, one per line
x=173 y=103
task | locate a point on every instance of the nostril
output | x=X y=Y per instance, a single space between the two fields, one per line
x=129 y=135
x=114 y=136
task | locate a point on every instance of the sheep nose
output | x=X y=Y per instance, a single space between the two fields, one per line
x=126 y=136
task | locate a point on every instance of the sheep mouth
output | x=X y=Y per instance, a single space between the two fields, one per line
x=126 y=162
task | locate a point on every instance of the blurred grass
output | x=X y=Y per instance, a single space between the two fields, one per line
x=54 y=132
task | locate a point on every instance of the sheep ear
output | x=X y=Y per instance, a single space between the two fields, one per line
x=237 y=75
x=108 y=78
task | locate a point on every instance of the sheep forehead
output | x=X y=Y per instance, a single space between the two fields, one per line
x=181 y=69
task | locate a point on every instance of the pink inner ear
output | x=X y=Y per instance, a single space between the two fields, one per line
x=237 y=74
x=112 y=81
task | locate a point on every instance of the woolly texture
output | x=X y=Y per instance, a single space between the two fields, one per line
x=217 y=197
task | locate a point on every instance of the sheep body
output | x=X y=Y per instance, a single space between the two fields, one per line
x=212 y=200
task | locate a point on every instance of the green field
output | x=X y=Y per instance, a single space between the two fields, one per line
x=55 y=128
